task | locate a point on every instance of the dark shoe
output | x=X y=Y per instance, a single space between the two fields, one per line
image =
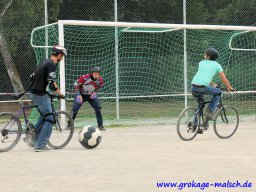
x=101 y=128
x=209 y=115
x=200 y=131
x=41 y=149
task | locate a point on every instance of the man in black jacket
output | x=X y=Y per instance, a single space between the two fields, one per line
x=45 y=75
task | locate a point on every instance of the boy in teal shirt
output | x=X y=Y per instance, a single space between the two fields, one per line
x=202 y=81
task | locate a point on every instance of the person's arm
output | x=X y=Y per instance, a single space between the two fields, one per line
x=59 y=92
x=213 y=84
x=53 y=86
x=52 y=80
x=77 y=86
x=78 y=83
x=225 y=81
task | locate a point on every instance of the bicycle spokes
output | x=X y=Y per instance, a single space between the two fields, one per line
x=62 y=130
x=186 y=126
x=10 y=131
x=226 y=122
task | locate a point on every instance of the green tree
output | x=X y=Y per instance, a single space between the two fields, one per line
x=100 y=10
x=239 y=12
x=6 y=54
x=17 y=18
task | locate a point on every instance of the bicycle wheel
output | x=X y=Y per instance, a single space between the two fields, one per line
x=226 y=122
x=185 y=128
x=62 y=130
x=10 y=131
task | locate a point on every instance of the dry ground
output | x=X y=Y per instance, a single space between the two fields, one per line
x=133 y=160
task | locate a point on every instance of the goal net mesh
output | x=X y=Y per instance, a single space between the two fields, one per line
x=148 y=66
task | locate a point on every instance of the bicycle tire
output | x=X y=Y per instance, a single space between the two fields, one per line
x=61 y=132
x=184 y=129
x=225 y=117
x=10 y=125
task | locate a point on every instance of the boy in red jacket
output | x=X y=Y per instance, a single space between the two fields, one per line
x=85 y=88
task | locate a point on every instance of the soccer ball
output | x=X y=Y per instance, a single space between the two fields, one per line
x=89 y=137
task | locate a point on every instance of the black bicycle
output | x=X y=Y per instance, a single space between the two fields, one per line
x=11 y=127
x=192 y=121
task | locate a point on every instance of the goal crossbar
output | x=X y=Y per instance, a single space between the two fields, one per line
x=156 y=25
x=128 y=25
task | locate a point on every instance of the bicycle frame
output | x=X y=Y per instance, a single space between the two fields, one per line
x=201 y=105
x=22 y=110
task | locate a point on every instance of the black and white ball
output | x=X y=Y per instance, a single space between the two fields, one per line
x=89 y=137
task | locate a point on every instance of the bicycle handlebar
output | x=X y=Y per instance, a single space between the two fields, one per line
x=52 y=96
x=225 y=89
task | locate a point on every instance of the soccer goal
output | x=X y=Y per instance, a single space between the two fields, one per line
x=147 y=67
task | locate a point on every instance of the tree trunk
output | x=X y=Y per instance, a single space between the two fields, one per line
x=9 y=64
x=7 y=56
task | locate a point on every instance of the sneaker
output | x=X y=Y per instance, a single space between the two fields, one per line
x=41 y=149
x=102 y=128
x=209 y=115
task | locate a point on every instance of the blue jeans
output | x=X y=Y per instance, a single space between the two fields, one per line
x=43 y=127
x=208 y=90
x=95 y=103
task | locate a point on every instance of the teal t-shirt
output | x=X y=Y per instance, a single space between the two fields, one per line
x=206 y=71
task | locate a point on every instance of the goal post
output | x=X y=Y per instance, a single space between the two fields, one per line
x=144 y=67
x=243 y=41
x=62 y=66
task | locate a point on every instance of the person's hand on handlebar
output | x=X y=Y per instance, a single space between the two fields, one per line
x=61 y=96
x=213 y=84
x=230 y=89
